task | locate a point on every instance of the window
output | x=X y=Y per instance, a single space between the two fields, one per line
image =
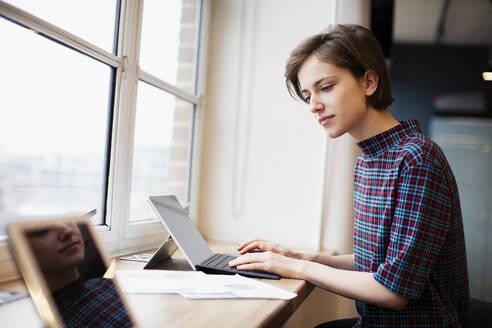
x=97 y=116
x=161 y=153
x=172 y=55
x=164 y=122
x=52 y=134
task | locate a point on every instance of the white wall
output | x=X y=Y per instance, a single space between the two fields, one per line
x=262 y=152
x=267 y=167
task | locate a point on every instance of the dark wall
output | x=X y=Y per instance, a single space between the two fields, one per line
x=419 y=72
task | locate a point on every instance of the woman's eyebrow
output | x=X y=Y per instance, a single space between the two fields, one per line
x=318 y=82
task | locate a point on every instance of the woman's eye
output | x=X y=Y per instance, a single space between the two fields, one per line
x=307 y=99
x=39 y=232
x=326 y=88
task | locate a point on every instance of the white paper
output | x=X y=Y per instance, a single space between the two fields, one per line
x=209 y=295
x=162 y=281
x=250 y=288
x=197 y=285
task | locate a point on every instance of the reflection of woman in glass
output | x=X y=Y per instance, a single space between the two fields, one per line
x=59 y=249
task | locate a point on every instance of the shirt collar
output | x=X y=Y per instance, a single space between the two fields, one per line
x=70 y=291
x=380 y=142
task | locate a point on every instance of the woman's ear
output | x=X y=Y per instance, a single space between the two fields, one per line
x=370 y=82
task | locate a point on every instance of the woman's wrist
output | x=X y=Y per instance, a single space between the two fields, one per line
x=301 y=269
x=294 y=254
x=300 y=255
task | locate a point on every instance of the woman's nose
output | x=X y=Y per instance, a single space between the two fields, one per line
x=64 y=231
x=315 y=106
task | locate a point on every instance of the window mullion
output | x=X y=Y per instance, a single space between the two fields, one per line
x=163 y=85
x=201 y=74
x=123 y=132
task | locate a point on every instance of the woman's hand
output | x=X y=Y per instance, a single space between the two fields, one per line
x=259 y=245
x=269 y=261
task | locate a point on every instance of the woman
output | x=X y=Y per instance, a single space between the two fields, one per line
x=409 y=263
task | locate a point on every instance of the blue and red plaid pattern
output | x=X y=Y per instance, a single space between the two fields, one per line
x=408 y=230
x=94 y=303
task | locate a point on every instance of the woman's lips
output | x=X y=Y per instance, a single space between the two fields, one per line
x=325 y=119
x=70 y=247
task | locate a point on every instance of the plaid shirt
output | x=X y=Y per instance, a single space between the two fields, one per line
x=408 y=230
x=94 y=303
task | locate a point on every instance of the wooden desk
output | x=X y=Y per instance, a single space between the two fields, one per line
x=170 y=310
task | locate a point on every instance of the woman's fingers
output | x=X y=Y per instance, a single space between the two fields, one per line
x=246 y=243
x=252 y=266
x=261 y=245
x=266 y=261
x=255 y=246
x=247 y=258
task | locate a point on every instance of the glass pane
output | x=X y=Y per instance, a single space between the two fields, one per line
x=168 y=45
x=53 y=126
x=91 y=20
x=161 y=160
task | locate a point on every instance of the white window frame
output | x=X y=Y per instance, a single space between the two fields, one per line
x=118 y=235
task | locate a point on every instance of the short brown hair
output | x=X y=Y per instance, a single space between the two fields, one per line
x=352 y=47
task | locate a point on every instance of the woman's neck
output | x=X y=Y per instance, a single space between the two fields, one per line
x=373 y=123
x=60 y=278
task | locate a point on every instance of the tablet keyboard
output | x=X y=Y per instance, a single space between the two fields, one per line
x=219 y=263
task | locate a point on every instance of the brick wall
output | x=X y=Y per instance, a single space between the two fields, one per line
x=181 y=146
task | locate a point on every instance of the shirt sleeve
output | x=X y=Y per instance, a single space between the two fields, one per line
x=418 y=230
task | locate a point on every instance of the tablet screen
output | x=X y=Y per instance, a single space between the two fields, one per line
x=63 y=266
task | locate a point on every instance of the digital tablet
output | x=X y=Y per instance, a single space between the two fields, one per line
x=64 y=265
